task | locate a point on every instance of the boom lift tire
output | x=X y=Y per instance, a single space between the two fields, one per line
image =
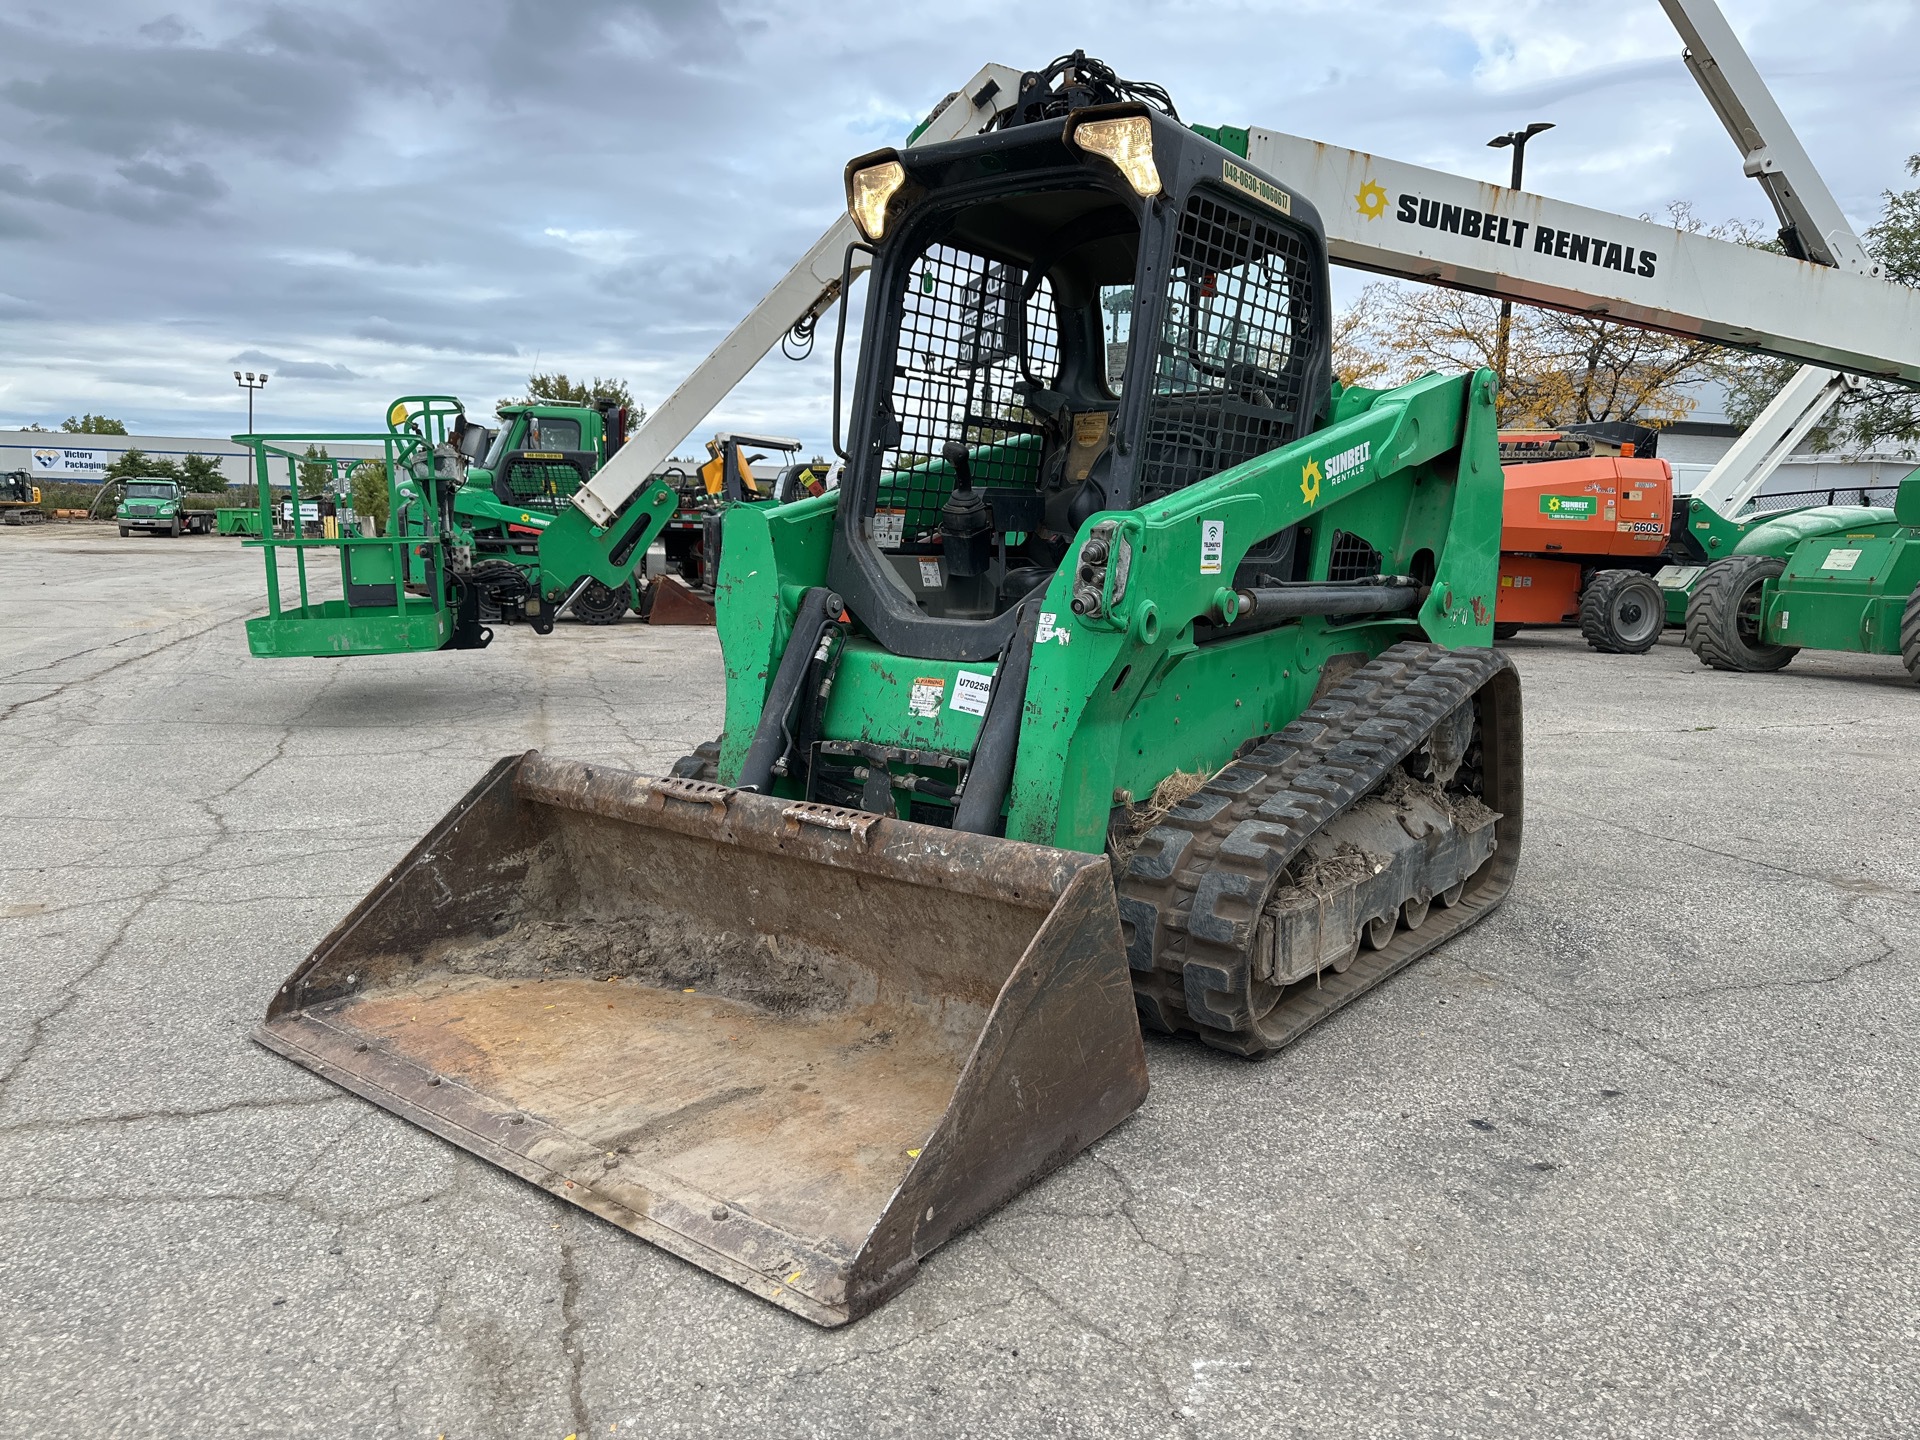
x=1723 y=617
x=1506 y=630
x=1910 y=634
x=1622 y=612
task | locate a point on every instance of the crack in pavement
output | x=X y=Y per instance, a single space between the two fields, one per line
x=84 y=1122
x=240 y=613
x=1597 y=1027
x=572 y=1341
x=1835 y=882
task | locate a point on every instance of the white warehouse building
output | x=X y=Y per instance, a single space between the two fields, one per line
x=57 y=455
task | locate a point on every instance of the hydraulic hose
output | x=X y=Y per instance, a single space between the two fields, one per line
x=819 y=608
x=993 y=755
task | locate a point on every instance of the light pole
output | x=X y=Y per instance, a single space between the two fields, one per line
x=1517 y=140
x=250 y=383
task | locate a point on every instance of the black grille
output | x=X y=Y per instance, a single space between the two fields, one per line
x=963 y=329
x=1351 y=558
x=541 y=484
x=1234 y=346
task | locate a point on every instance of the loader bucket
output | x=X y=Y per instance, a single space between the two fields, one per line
x=796 y=1045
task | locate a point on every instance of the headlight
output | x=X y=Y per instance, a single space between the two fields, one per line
x=868 y=193
x=1128 y=143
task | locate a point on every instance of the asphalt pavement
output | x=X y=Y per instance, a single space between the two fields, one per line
x=1636 y=1156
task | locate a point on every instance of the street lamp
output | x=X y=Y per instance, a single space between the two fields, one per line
x=250 y=383
x=1517 y=141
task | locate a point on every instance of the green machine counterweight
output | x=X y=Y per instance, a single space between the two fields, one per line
x=1136 y=674
x=1824 y=577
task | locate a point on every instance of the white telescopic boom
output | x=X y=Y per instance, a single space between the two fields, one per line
x=1419 y=224
x=808 y=292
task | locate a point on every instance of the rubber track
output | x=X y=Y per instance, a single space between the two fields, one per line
x=1193 y=891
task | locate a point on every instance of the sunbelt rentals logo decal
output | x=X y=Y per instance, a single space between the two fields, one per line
x=1334 y=470
x=1490 y=227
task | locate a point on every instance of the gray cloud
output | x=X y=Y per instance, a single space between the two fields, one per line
x=286 y=369
x=416 y=198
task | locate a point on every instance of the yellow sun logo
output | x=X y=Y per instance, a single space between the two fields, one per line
x=1310 y=481
x=1372 y=200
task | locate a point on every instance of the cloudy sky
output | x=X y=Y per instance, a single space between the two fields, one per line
x=369 y=199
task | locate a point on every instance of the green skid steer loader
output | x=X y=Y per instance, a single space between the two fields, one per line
x=1135 y=674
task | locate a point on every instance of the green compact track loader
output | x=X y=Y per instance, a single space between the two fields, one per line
x=1135 y=675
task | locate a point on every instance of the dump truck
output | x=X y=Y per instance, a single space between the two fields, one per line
x=160 y=507
x=1084 y=703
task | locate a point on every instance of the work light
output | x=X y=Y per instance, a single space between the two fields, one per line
x=868 y=193
x=1128 y=143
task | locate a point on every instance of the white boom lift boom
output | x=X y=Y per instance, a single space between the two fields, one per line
x=806 y=293
x=1830 y=309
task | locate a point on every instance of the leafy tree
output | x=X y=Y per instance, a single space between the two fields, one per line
x=202 y=475
x=35 y=426
x=135 y=464
x=315 y=472
x=1561 y=369
x=557 y=389
x=92 y=424
x=370 y=493
x=1882 y=414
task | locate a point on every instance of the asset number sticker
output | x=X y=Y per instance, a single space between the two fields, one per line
x=1841 y=560
x=1213 y=545
x=925 y=697
x=930 y=575
x=889 y=526
x=970 y=692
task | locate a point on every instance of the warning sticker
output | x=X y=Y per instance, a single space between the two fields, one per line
x=930 y=575
x=970 y=692
x=1840 y=560
x=889 y=526
x=1213 y=543
x=926 y=695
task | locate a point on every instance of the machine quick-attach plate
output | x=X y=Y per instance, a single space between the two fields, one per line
x=797 y=1045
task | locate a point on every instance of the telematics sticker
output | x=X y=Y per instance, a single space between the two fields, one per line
x=889 y=526
x=1213 y=543
x=930 y=575
x=926 y=695
x=970 y=692
x=1841 y=560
